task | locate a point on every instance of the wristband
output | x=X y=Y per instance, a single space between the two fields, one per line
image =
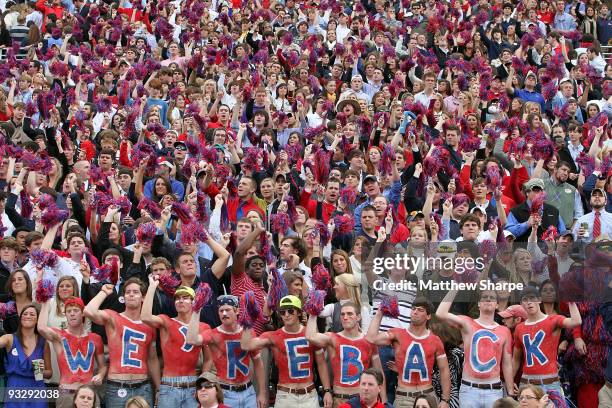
x=326 y=390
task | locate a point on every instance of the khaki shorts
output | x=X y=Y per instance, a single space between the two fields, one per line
x=286 y=400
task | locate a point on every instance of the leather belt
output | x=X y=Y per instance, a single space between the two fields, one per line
x=539 y=381
x=235 y=388
x=179 y=384
x=494 y=386
x=414 y=393
x=343 y=396
x=296 y=391
x=128 y=385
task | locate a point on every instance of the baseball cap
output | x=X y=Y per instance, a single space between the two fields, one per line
x=184 y=291
x=290 y=301
x=534 y=182
x=508 y=234
x=530 y=290
x=566 y=79
x=603 y=193
x=514 y=311
x=370 y=177
x=163 y=161
x=412 y=216
x=447 y=248
x=180 y=143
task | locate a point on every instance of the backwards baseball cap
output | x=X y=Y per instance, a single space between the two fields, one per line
x=184 y=291
x=74 y=301
x=289 y=302
x=514 y=311
x=534 y=182
x=530 y=290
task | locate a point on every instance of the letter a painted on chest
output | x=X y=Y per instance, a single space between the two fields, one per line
x=415 y=362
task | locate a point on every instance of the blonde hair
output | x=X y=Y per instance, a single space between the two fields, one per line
x=137 y=402
x=353 y=287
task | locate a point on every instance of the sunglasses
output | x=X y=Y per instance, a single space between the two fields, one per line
x=289 y=312
x=181 y=147
x=207 y=385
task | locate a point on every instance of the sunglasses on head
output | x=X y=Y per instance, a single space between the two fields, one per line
x=290 y=312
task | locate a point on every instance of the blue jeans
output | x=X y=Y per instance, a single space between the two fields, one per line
x=240 y=399
x=177 y=397
x=387 y=354
x=115 y=394
x=471 y=397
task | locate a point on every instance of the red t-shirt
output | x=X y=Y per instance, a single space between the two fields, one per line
x=538 y=342
x=128 y=346
x=242 y=283
x=294 y=356
x=77 y=356
x=484 y=350
x=351 y=357
x=232 y=363
x=180 y=358
x=416 y=356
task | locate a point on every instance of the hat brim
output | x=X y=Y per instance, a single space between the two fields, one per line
x=352 y=102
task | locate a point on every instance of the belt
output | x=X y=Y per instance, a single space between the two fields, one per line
x=66 y=391
x=414 y=393
x=541 y=381
x=128 y=385
x=343 y=396
x=494 y=386
x=296 y=391
x=179 y=384
x=236 y=388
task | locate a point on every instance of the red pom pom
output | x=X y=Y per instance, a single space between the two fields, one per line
x=315 y=302
x=45 y=290
x=389 y=307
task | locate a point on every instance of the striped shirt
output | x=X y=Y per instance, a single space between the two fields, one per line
x=405 y=299
x=19 y=33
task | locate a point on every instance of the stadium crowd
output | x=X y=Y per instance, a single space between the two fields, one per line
x=204 y=203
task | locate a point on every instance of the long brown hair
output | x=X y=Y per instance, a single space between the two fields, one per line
x=9 y=284
x=75 y=292
x=19 y=332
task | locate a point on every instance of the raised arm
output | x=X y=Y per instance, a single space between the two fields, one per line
x=43 y=324
x=147 y=307
x=374 y=336
x=443 y=311
x=313 y=336
x=220 y=265
x=92 y=310
x=193 y=336
x=243 y=247
x=250 y=343
x=574 y=320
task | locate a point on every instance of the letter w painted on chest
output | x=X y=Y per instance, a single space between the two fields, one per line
x=237 y=360
x=132 y=342
x=479 y=342
x=533 y=349
x=79 y=361
x=299 y=364
x=352 y=366
x=415 y=362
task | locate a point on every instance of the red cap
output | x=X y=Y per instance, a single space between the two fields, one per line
x=514 y=311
